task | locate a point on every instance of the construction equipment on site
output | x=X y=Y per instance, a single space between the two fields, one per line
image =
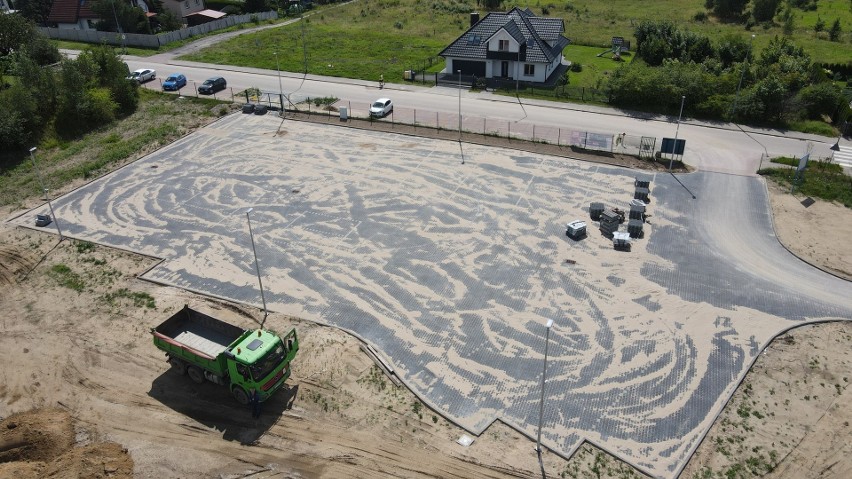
x=206 y=348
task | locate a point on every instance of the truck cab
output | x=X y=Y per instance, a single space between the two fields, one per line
x=259 y=361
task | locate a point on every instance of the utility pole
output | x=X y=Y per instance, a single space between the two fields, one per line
x=256 y=267
x=543 y=376
x=742 y=74
x=677 y=130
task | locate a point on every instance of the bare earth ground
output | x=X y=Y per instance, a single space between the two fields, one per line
x=76 y=350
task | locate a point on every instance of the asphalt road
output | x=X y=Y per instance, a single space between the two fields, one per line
x=710 y=146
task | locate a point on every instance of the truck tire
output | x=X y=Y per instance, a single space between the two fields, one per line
x=240 y=395
x=195 y=374
x=178 y=366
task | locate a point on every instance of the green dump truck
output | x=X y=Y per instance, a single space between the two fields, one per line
x=205 y=348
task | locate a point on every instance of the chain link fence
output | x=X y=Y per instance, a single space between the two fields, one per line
x=344 y=111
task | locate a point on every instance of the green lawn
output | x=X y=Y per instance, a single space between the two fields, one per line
x=594 y=67
x=371 y=37
x=820 y=180
x=159 y=120
x=354 y=40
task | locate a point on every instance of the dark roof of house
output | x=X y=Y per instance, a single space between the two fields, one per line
x=522 y=25
x=69 y=11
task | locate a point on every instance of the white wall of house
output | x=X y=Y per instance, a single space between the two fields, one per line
x=82 y=24
x=510 y=44
x=183 y=8
x=517 y=70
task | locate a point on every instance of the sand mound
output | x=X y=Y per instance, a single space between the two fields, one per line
x=40 y=443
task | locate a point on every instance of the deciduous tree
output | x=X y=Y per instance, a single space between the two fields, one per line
x=764 y=10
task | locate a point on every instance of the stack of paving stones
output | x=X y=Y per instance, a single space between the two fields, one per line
x=609 y=222
x=637 y=219
x=634 y=227
x=643 y=189
x=637 y=210
x=595 y=211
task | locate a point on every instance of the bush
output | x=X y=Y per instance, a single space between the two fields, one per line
x=700 y=17
x=576 y=67
x=823 y=99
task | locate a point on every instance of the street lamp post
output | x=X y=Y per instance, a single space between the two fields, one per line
x=543 y=376
x=280 y=90
x=256 y=267
x=742 y=74
x=45 y=191
x=460 y=120
x=677 y=130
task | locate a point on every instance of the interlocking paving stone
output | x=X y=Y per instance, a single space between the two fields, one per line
x=451 y=271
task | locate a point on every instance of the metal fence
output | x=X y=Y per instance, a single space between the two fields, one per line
x=611 y=142
x=617 y=143
x=152 y=41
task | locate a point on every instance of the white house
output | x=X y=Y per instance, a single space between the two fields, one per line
x=514 y=45
x=182 y=8
x=72 y=14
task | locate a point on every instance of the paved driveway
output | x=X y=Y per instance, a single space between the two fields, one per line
x=451 y=271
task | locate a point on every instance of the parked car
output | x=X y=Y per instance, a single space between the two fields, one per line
x=43 y=220
x=381 y=107
x=175 y=81
x=142 y=75
x=212 y=85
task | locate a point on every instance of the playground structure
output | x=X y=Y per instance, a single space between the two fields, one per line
x=619 y=46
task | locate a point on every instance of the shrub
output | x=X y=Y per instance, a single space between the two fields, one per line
x=576 y=67
x=823 y=99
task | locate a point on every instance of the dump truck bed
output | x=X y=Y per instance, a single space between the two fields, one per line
x=198 y=332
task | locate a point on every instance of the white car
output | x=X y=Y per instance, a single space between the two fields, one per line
x=381 y=107
x=142 y=75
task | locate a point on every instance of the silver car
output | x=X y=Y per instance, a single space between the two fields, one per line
x=381 y=107
x=143 y=75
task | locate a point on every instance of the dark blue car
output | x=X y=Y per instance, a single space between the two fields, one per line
x=175 y=81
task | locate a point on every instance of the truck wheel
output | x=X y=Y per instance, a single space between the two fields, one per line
x=178 y=365
x=195 y=374
x=240 y=395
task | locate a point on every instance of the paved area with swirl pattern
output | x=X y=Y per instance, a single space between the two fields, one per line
x=452 y=269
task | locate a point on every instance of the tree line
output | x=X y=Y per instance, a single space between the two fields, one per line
x=43 y=94
x=725 y=79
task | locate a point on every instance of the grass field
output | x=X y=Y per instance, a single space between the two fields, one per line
x=367 y=38
x=158 y=121
x=820 y=180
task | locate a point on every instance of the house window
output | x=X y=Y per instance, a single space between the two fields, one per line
x=503 y=46
x=186 y=4
x=529 y=70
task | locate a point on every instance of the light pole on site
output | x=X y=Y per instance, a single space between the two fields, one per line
x=256 y=266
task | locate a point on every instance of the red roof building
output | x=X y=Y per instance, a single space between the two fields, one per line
x=74 y=14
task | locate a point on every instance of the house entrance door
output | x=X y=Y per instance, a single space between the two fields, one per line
x=504 y=70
